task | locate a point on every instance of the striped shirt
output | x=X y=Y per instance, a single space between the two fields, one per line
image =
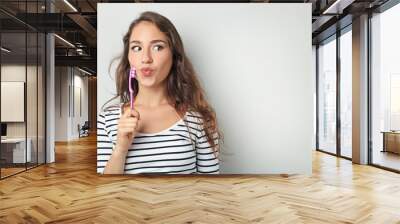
x=179 y=149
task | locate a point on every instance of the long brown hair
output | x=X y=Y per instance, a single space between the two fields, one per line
x=183 y=88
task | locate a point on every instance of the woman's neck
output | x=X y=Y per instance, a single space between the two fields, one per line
x=152 y=97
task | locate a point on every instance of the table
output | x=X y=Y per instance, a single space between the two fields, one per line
x=391 y=141
x=17 y=150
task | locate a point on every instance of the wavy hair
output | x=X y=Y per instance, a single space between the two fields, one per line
x=183 y=88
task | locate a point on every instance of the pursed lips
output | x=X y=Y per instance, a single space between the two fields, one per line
x=146 y=71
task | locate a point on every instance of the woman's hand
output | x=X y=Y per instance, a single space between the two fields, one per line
x=127 y=128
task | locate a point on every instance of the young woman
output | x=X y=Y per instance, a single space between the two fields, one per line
x=172 y=128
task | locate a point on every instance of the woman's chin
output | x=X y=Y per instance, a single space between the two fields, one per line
x=148 y=83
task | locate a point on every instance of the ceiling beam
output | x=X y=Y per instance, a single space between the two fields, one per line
x=84 y=61
x=337 y=7
x=86 y=26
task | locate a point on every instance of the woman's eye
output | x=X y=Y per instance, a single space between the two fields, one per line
x=158 y=47
x=136 y=48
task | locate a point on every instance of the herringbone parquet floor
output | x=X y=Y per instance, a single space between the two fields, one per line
x=70 y=191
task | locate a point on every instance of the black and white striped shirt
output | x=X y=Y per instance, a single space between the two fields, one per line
x=169 y=151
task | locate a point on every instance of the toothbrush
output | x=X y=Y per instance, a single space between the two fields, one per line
x=132 y=74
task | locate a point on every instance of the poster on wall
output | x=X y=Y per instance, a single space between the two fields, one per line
x=184 y=93
x=12 y=101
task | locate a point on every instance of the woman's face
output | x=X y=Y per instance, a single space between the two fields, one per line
x=150 y=54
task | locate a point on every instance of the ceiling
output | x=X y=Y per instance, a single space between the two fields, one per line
x=76 y=22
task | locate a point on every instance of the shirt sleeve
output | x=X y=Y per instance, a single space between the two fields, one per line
x=207 y=161
x=104 y=143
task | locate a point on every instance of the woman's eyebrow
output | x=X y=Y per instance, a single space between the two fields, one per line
x=153 y=41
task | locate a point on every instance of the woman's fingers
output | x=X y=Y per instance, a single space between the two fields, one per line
x=129 y=127
x=128 y=122
x=130 y=113
x=126 y=130
x=125 y=112
x=135 y=113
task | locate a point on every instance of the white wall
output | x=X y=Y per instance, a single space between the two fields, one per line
x=80 y=83
x=67 y=80
x=254 y=61
x=61 y=90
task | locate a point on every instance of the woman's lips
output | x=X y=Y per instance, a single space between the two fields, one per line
x=146 y=71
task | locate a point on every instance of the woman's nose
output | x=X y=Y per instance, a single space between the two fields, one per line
x=146 y=57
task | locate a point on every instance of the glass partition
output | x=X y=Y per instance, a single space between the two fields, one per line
x=22 y=64
x=13 y=96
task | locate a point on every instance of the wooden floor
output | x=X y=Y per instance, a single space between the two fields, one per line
x=10 y=171
x=70 y=191
x=387 y=159
x=5 y=172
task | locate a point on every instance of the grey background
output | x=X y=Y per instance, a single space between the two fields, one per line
x=254 y=62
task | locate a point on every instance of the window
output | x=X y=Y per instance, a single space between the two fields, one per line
x=327 y=97
x=346 y=93
x=385 y=88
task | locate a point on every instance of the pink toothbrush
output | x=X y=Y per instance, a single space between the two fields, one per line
x=132 y=74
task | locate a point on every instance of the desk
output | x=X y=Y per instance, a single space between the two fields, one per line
x=17 y=149
x=391 y=141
